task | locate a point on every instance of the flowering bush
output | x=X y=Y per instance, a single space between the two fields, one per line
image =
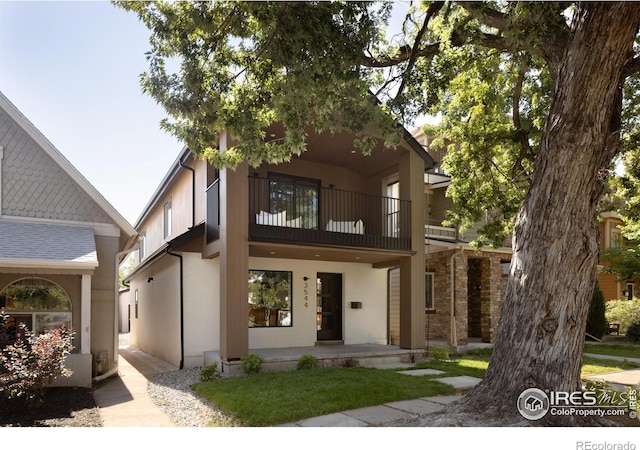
x=33 y=360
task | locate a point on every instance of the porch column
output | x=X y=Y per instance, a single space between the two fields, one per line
x=412 y=270
x=234 y=261
x=85 y=314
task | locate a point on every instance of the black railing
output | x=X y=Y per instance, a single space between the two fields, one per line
x=282 y=211
x=213 y=212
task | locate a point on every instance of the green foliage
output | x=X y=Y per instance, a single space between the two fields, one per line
x=307 y=361
x=439 y=352
x=209 y=373
x=596 y=320
x=32 y=361
x=251 y=363
x=624 y=262
x=623 y=311
x=633 y=331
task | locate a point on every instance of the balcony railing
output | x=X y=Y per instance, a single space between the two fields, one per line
x=304 y=213
x=434 y=230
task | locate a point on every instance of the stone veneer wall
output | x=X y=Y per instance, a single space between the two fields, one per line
x=493 y=283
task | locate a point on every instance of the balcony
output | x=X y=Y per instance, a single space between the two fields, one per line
x=435 y=230
x=302 y=212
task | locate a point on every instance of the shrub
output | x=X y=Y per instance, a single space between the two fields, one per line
x=251 y=363
x=348 y=362
x=596 y=320
x=307 y=361
x=625 y=312
x=633 y=332
x=210 y=372
x=439 y=352
x=32 y=361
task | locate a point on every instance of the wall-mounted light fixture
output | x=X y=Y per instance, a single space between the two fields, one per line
x=149 y=280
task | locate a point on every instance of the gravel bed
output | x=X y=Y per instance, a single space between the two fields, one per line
x=172 y=393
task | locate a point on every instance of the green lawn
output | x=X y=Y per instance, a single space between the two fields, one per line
x=623 y=350
x=266 y=399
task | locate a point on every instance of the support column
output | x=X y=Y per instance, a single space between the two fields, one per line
x=234 y=261
x=412 y=268
x=85 y=314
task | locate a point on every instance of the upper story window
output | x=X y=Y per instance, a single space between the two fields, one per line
x=298 y=197
x=142 y=250
x=616 y=239
x=38 y=303
x=167 y=219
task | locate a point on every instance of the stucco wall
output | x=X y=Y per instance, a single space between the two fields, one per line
x=361 y=283
x=201 y=308
x=156 y=329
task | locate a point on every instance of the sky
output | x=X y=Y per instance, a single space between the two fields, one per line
x=72 y=68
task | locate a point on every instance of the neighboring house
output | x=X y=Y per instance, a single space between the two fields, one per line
x=289 y=255
x=59 y=247
x=611 y=237
x=464 y=287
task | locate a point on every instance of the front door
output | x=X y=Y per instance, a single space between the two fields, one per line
x=329 y=306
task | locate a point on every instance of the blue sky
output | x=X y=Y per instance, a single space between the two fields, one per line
x=72 y=68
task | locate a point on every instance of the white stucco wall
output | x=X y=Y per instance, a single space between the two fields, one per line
x=201 y=307
x=361 y=283
x=156 y=330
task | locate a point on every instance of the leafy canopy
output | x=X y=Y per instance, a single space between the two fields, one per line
x=486 y=67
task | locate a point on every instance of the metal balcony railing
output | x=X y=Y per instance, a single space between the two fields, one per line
x=282 y=210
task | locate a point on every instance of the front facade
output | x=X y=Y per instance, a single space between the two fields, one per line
x=59 y=245
x=289 y=255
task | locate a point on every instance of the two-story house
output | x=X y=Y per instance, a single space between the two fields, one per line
x=60 y=244
x=289 y=255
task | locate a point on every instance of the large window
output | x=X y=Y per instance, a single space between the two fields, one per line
x=298 y=197
x=38 y=303
x=269 y=298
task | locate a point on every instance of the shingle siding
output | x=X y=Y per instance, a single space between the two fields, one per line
x=33 y=185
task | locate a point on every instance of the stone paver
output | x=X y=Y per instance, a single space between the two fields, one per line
x=460 y=382
x=378 y=415
x=333 y=420
x=443 y=399
x=421 y=372
x=417 y=406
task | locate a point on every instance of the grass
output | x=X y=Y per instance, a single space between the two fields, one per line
x=265 y=399
x=622 y=350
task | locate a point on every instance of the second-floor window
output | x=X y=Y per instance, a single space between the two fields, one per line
x=142 y=251
x=299 y=197
x=167 y=219
x=616 y=239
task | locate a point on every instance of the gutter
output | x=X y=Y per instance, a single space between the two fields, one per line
x=181 y=281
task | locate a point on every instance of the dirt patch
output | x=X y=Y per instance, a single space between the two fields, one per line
x=62 y=407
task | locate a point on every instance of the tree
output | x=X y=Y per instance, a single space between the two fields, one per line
x=532 y=91
x=596 y=320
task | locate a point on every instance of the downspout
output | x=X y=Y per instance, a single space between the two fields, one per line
x=454 y=334
x=193 y=192
x=168 y=252
x=116 y=324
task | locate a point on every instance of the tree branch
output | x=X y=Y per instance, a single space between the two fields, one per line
x=484 y=14
x=631 y=68
x=434 y=8
x=525 y=148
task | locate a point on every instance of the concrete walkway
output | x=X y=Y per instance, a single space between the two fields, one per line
x=123 y=401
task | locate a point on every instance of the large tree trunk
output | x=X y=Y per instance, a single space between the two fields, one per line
x=555 y=248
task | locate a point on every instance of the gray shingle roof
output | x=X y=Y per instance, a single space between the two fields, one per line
x=46 y=242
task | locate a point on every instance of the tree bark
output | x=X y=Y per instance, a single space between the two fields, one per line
x=541 y=333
